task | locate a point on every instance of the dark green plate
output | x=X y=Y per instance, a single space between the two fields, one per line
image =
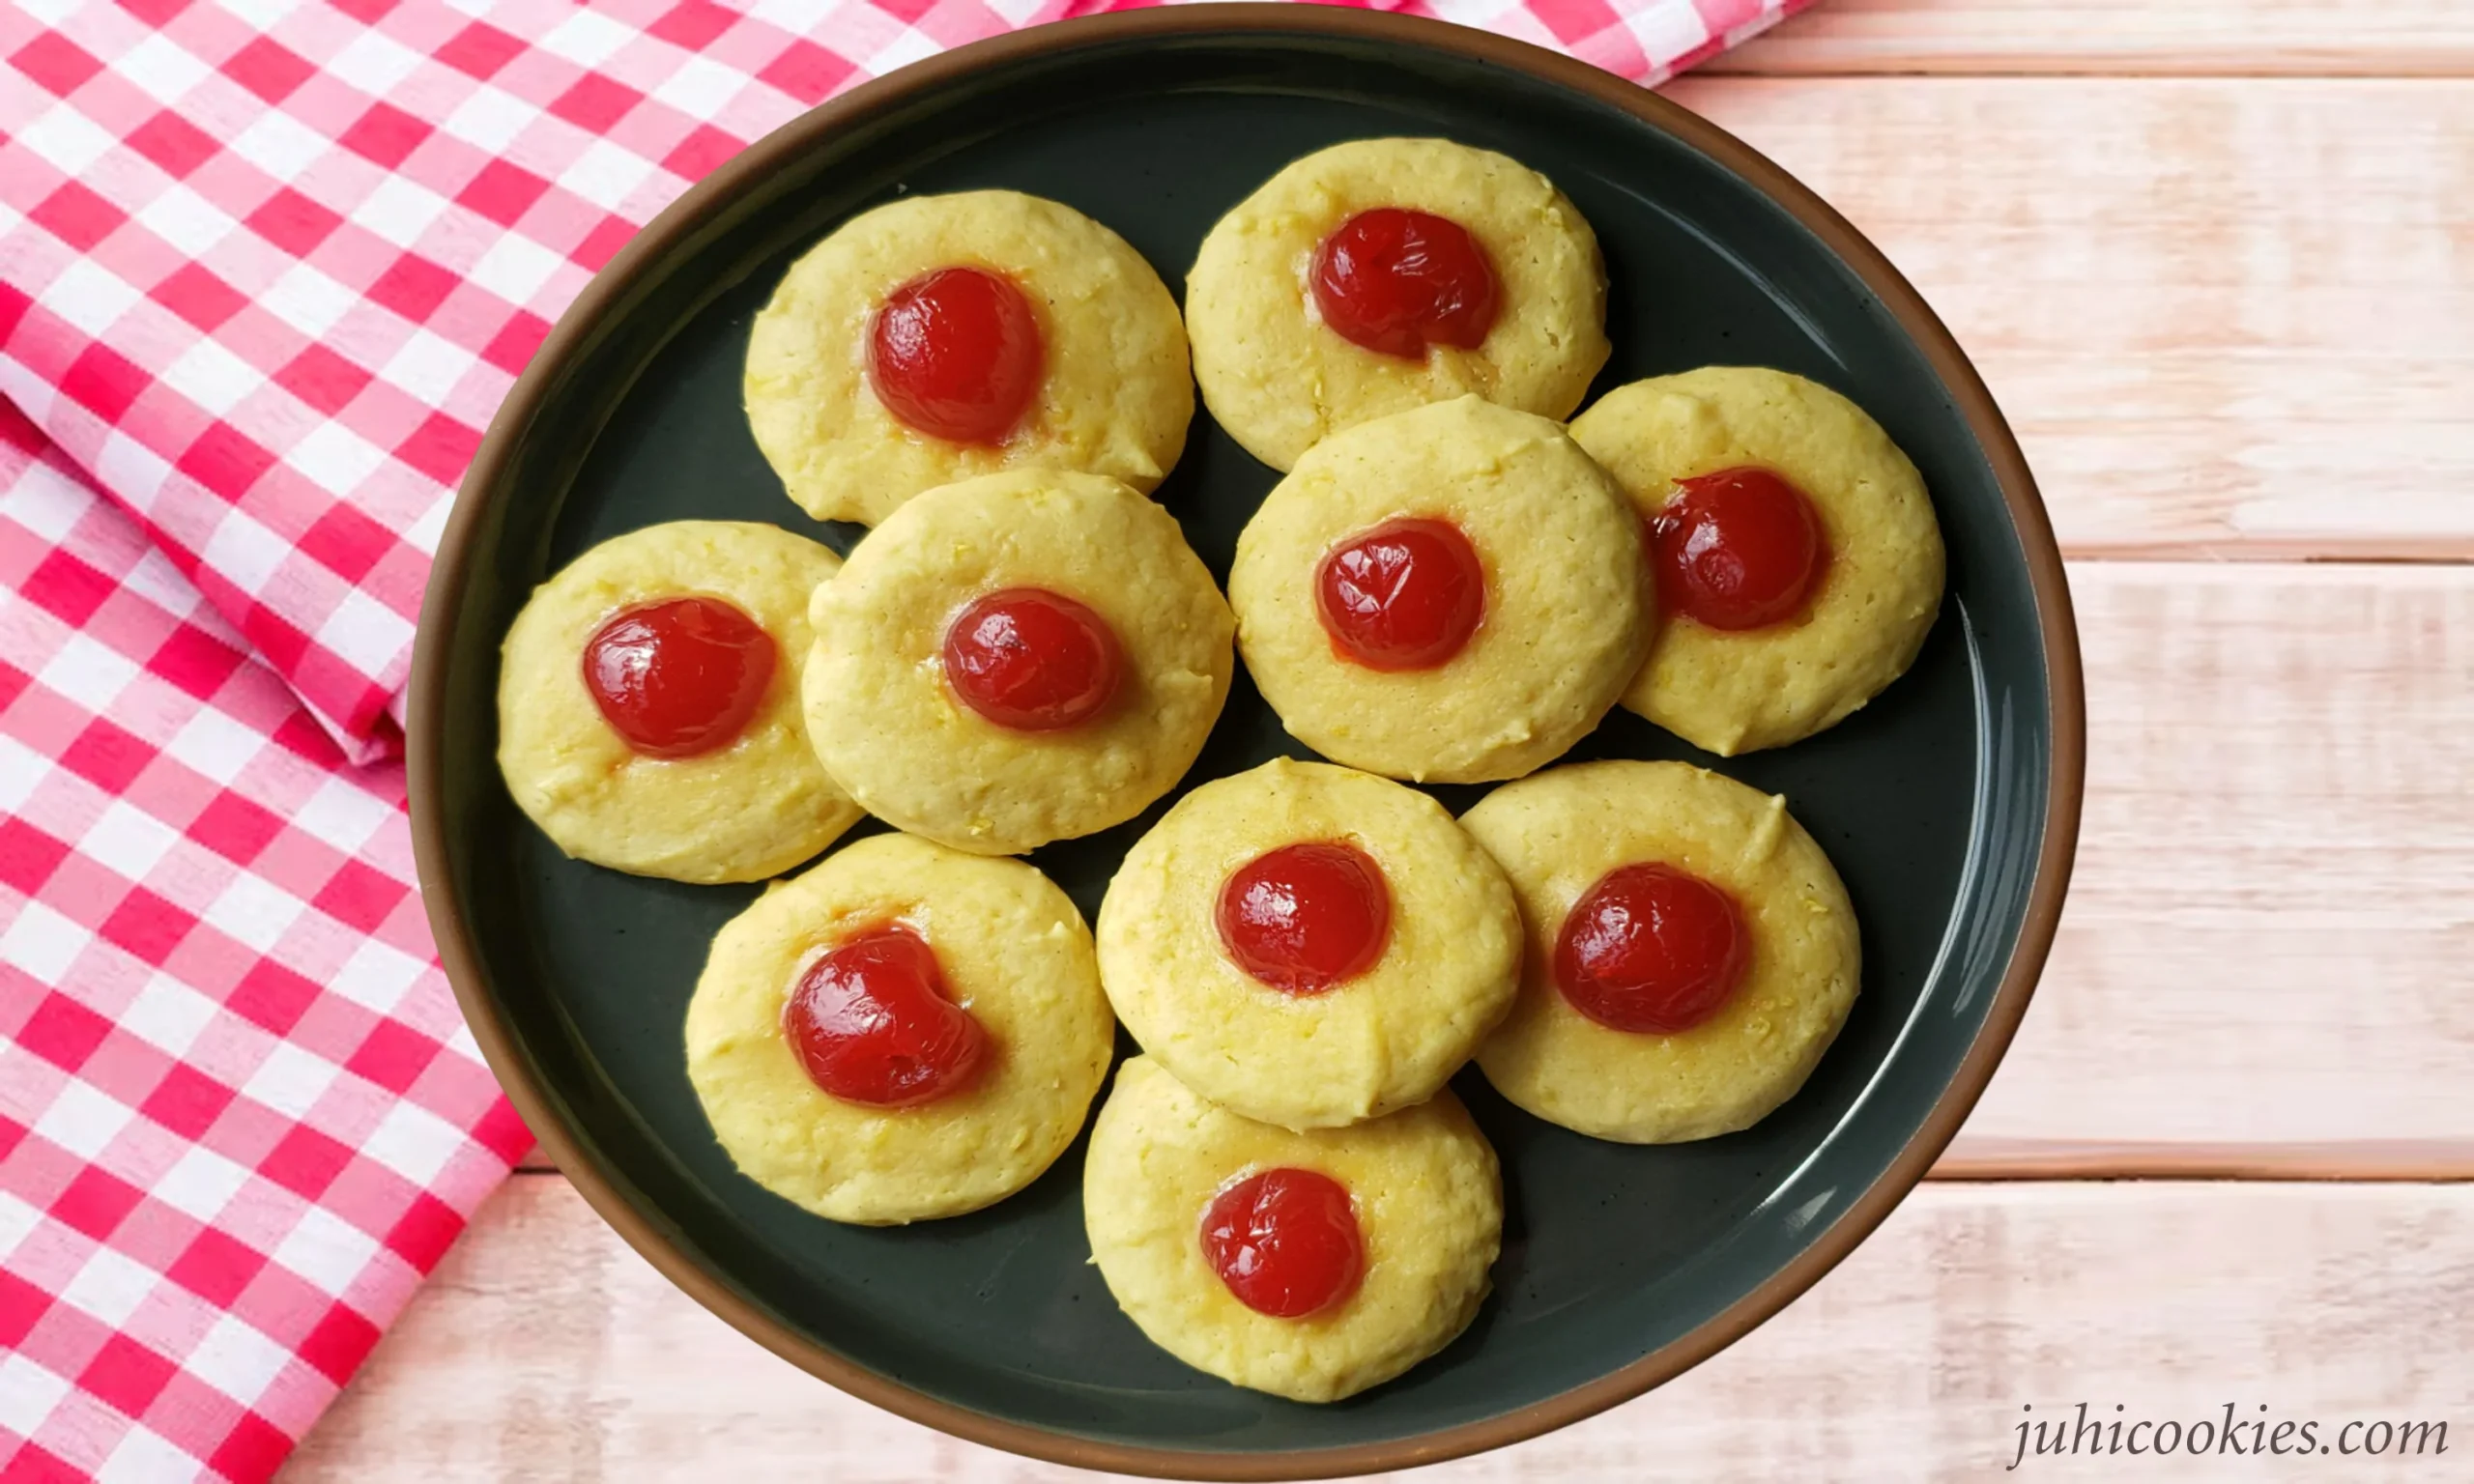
x=1949 y=805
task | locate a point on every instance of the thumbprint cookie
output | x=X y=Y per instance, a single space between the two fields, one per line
x=902 y=1033
x=1311 y=1265
x=1798 y=565
x=1692 y=952
x=1308 y=945
x=1382 y=274
x=648 y=705
x=1019 y=658
x=939 y=337
x=1452 y=594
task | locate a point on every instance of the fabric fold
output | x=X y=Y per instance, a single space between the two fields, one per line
x=240 y=1116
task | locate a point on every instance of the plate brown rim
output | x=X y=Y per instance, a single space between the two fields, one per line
x=425 y=741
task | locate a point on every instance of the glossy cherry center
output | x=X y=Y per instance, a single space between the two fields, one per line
x=1305 y=917
x=1397 y=281
x=955 y=353
x=1286 y=1241
x=1404 y=595
x=678 y=677
x=871 y=1022
x=1032 y=660
x=1650 y=949
x=1739 y=549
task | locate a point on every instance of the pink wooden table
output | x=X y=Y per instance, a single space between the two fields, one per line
x=2216 y=258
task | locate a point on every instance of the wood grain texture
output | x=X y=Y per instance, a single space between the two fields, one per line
x=545 y=1349
x=2231 y=38
x=2271 y=934
x=2226 y=318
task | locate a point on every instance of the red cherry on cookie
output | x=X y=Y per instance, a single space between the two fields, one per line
x=955 y=353
x=1652 y=949
x=1396 y=281
x=1404 y=595
x=872 y=1024
x=1739 y=549
x=1305 y=917
x=1286 y=1241
x=1032 y=660
x=678 y=677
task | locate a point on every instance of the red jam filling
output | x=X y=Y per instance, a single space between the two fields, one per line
x=1305 y=917
x=1739 y=549
x=1032 y=660
x=872 y=1024
x=1405 y=595
x=680 y=676
x=1396 y=281
x=955 y=353
x=1286 y=1241
x=1652 y=949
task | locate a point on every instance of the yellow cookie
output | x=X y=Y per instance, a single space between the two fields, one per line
x=1564 y=620
x=896 y=732
x=1113 y=395
x=1422 y=1189
x=1559 y=834
x=743 y=811
x=1738 y=691
x=1446 y=944
x=1013 y=954
x=1281 y=380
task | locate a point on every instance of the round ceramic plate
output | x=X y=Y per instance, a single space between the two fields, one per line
x=1949 y=805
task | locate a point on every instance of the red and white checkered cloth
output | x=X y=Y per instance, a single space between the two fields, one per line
x=239 y=1116
x=266 y=267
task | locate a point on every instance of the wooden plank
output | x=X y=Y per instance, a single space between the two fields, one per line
x=2226 y=318
x=2270 y=933
x=544 y=1348
x=2233 y=37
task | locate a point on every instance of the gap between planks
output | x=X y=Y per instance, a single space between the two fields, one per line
x=2384 y=1161
x=2114 y=38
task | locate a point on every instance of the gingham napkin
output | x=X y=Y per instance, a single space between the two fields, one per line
x=239 y=1116
x=266 y=267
